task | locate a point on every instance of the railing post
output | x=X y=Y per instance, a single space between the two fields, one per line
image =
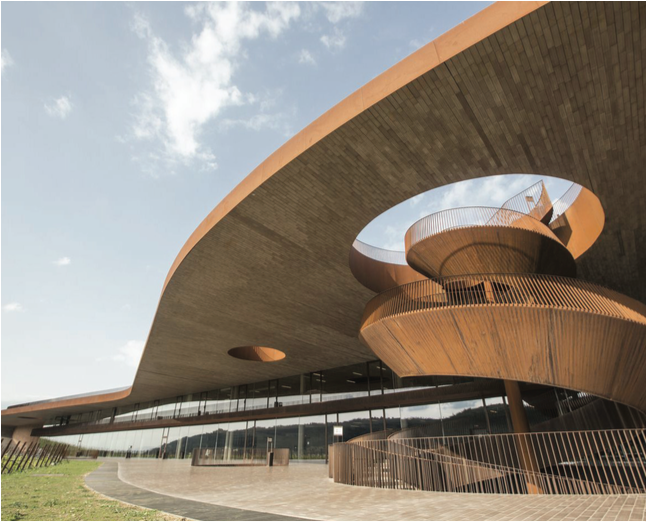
x=13 y=463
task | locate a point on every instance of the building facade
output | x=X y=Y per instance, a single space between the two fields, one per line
x=524 y=319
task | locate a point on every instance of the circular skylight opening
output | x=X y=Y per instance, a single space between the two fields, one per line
x=388 y=230
x=257 y=354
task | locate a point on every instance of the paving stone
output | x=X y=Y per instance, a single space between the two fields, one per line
x=105 y=480
x=305 y=491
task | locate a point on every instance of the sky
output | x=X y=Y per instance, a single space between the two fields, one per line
x=124 y=125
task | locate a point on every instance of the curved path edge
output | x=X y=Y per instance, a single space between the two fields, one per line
x=105 y=481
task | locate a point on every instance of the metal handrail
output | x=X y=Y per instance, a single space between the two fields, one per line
x=393 y=257
x=573 y=462
x=533 y=201
x=466 y=217
x=526 y=290
x=565 y=201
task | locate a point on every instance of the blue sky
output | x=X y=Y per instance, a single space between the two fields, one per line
x=124 y=124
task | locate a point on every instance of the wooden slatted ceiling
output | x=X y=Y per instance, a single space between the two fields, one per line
x=559 y=92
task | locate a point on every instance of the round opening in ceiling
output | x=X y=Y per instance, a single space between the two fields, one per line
x=256 y=353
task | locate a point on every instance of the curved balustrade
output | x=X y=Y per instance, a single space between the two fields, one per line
x=565 y=201
x=542 y=329
x=465 y=217
x=533 y=201
x=580 y=220
x=379 y=269
x=582 y=462
x=392 y=257
x=471 y=240
x=527 y=290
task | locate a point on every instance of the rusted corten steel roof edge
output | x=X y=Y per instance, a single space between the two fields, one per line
x=471 y=31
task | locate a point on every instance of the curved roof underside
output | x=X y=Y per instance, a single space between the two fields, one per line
x=554 y=89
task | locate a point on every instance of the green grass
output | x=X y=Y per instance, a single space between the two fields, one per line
x=29 y=497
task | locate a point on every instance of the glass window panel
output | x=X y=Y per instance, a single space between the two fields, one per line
x=257 y=395
x=423 y=420
x=498 y=415
x=393 y=421
x=464 y=418
x=377 y=418
x=312 y=439
x=293 y=390
x=345 y=382
x=264 y=429
x=287 y=436
x=354 y=424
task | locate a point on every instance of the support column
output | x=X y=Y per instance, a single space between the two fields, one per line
x=516 y=409
x=228 y=444
x=301 y=428
x=23 y=434
x=526 y=454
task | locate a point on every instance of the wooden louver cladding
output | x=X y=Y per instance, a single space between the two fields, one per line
x=542 y=329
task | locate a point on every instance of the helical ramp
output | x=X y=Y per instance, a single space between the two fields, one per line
x=498 y=299
x=524 y=327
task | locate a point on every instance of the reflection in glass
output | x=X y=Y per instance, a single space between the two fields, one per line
x=354 y=424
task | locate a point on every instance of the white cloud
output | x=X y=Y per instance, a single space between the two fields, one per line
x=306 y=57
x=130 y=353
x=273 y=121
x=394 y=237
x=13 y=307
x=63 y=261
x=416 y=43
x=193 y=89
x=492 y=191
x=335 y=40
x=5 y=60
x=414 y=201
x=59 y=108
x=337 y=11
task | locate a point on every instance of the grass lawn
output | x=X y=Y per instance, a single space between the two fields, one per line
x=26 y=496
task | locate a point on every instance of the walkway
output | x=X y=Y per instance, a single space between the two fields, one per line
x=304 y=490
x=106 y=481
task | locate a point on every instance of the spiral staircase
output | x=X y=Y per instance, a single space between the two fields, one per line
x=492 y=293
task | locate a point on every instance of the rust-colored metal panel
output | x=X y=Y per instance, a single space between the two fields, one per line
x=582 y=222
x=450 y=243
x=541 y=329
x=379 y=269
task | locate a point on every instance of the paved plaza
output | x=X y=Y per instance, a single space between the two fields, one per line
x=305 y=491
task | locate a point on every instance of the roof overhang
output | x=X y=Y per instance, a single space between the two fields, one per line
x=521 y=87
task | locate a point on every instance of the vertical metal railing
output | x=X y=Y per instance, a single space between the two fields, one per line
x=533 y=201
x=393 y=257
x=520 y=290
x=463 y=217
x=573 y=463
x=565 y=201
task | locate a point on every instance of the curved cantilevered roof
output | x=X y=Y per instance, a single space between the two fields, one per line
x=553 y=89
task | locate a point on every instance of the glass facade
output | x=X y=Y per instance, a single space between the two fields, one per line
x=347 y=382
x=306 y=437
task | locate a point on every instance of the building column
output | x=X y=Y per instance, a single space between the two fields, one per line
x=301 y=428
x=23 y=434
x=228 y=444
x=526 y=454
x=516 y=409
